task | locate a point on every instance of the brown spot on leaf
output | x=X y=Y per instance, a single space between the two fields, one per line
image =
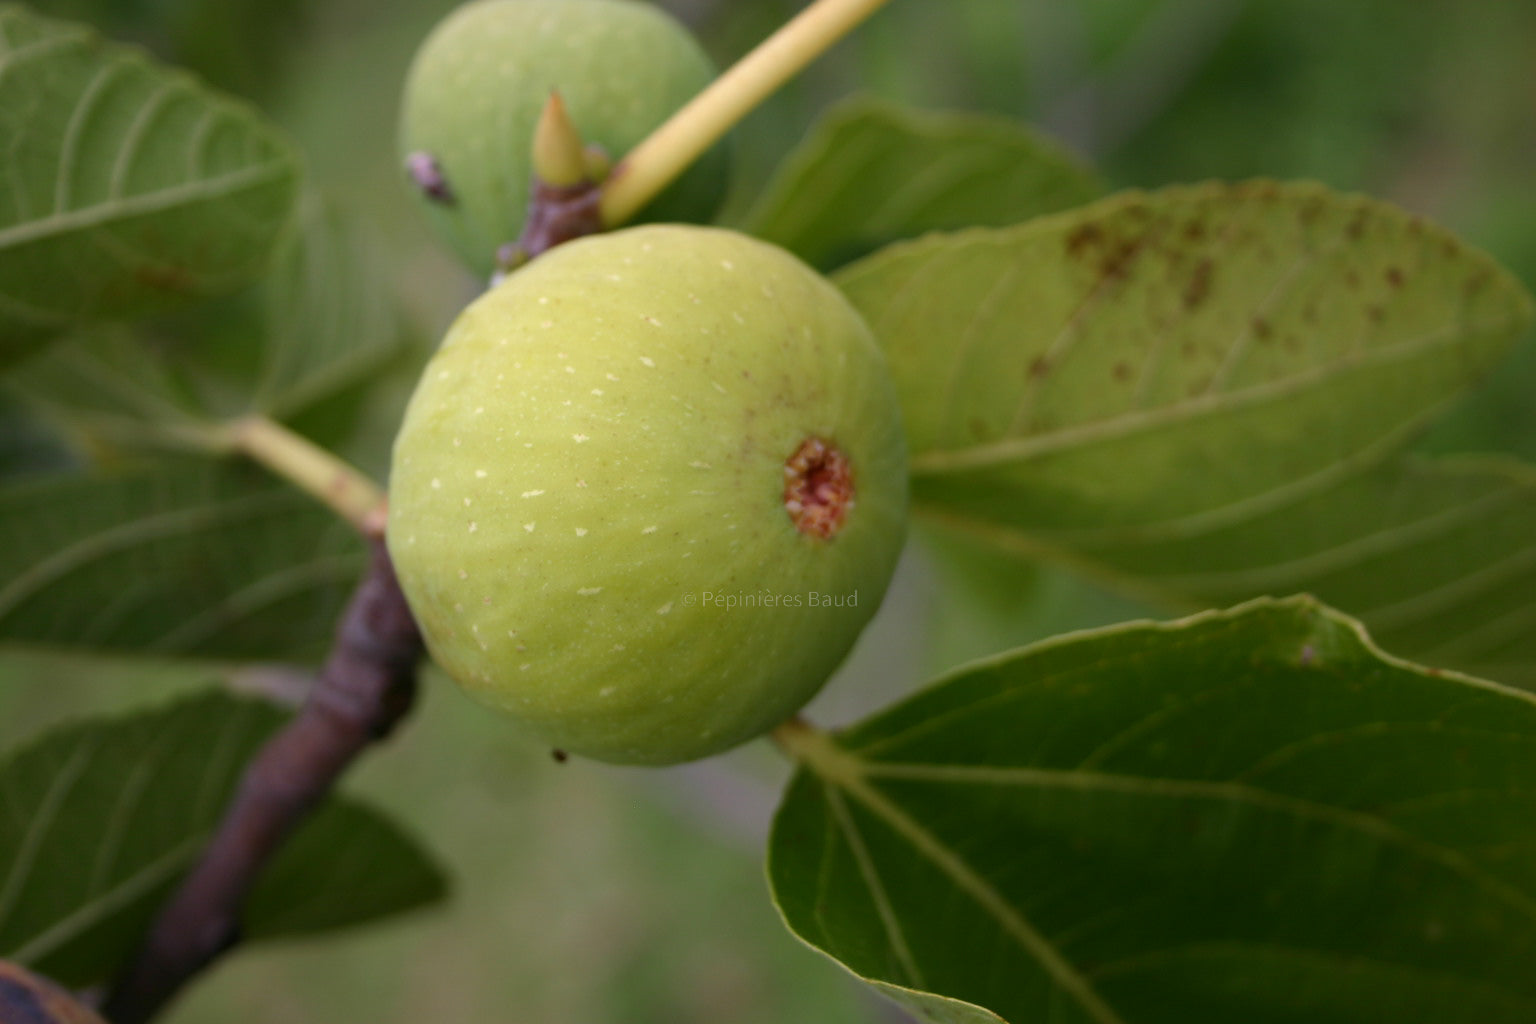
x=1194 y=231
x=1261 y=328
x=1394 y=277
x=165 y=279
x=978 y=428
x=1376 y=313
x=1084 y=238
x=1039 y=367
x=1199 y=286
x=1122 y=371
x=1117 y=261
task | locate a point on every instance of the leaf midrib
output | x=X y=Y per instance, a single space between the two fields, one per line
x=99 y=214
x=845 y=770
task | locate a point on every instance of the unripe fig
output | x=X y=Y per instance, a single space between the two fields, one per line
x=648 y=492
x=478 y=83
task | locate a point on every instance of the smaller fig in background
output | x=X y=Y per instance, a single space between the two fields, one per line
x=482 y=77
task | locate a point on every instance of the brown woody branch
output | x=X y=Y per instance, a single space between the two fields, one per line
x=557 y=214
x=366 y=686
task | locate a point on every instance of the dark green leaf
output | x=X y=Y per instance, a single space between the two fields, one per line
x=871 y=172
x=211 y=559
x=1189 y=394
x=129 y=186
x=348 y=865
x=103 y=816
x=1246 y=816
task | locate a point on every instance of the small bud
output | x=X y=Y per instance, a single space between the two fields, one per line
x=558 y=157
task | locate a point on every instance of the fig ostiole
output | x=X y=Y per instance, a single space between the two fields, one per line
x=481 y=79
x=649 y=491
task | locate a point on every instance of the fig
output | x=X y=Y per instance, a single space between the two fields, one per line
x=649 y=491
x=477 y=85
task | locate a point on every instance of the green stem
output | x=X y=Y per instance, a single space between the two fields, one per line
x=313 y=470
x=806 y=744
x=666 y=152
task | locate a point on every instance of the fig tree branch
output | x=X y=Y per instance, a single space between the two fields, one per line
x=366 y=686
x=666 y=152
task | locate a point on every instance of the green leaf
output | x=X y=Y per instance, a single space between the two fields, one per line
x=982 y=604
x=104 y=815
x=871 y=172
x=1161 y=387
x=348 y=865
x=212 y=559
x=321 y=322
x=1250 y=816
x=129 y=186
x=1437 y=557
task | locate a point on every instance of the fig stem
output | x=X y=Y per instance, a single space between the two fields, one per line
x=312 y=469
x=666 y=152
x=798 y=739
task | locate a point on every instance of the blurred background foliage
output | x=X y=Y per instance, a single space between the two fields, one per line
x=591 y=894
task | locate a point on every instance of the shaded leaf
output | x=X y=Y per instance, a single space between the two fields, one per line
x=1437 y=557
x=1161 y=388
x=214 y=559
x=983 y=603
x=104 y=815
x=1247 y=816
x=321 y=322
x=348 y=865
x=128 y=186
x=871 y=172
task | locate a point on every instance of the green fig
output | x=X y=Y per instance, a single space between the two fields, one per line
x=481 y=78
x=649 y=491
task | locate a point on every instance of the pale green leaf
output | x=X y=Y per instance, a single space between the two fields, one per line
x=215 y=559
x=1245 y=816
x=1189 y=394
x=871 y=172
x=103 y=816
x=127 y=186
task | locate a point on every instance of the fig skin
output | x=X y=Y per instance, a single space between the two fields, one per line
x=481 y=78
x=594 y=464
